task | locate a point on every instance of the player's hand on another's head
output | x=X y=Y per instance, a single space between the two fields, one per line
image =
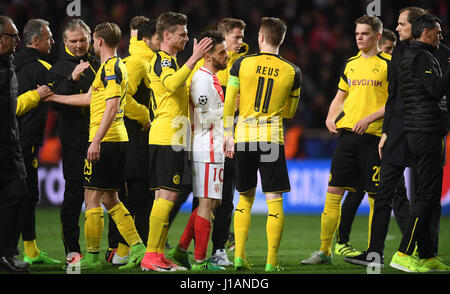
x=44 y=92
x=200 y=48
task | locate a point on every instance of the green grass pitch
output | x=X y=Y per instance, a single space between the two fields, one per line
x=300 y=238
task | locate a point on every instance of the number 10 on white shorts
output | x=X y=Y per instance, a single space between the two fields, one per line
x=207 y=179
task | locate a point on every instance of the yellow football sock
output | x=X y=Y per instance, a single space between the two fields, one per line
x=122 y=250
x=30 y=248
x=159 y=221
x=93 y=229
x=242 y=216
x=125 y=224
x=162 y=242
x=331 y=216
x=371 y=204
x=274 y=228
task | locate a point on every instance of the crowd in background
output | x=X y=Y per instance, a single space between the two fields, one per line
x=319 y=39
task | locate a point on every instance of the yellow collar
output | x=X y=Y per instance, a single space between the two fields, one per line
x=234 y=56
x=68 y=51
x=139 y=48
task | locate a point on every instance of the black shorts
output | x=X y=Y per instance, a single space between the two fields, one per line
x=166 y=167
x=356 y=164
x=107 y=173
x=269 y=159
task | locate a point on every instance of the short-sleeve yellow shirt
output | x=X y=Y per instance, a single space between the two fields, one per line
x=366 y=82
x=109 y=83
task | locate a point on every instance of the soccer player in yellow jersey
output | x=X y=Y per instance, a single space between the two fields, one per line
x=356 y=114
x=138 y=198
x=105 y=157
x=142 y=49
x=269 y=88
x=352 y=200
x=168 y=134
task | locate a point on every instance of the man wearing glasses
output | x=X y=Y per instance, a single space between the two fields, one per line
x=12 y=173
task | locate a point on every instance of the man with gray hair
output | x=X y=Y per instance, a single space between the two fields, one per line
x=73 y=73
x=31 y=70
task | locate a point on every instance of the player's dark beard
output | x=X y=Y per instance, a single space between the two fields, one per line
x=217 y=64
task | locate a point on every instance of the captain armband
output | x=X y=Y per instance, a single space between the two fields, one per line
x=233 y=81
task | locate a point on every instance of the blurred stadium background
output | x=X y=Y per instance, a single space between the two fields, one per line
x=319 y=39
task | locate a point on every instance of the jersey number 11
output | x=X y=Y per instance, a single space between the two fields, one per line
x=259 y=93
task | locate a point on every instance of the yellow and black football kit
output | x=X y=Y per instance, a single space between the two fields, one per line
x=269 y=88
x=356 y=163
x=170 y=126
x=167 y=140
x=170 y=100
x=110 y=83
x=366 y=82
x=137 y=112
x=138 y=65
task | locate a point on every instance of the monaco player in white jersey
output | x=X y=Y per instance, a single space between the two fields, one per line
x=208 y=159
x=206 y=100
x=207 y=96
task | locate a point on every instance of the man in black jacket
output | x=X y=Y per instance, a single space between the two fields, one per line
x=422 y=88
x=12 y=173
x=73 y=73
x=31 y=70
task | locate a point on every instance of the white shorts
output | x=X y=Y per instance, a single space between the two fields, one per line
x=207 y=179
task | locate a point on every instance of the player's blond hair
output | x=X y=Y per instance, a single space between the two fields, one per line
x=109 y=32
x=226 y=25
x=273 y=29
